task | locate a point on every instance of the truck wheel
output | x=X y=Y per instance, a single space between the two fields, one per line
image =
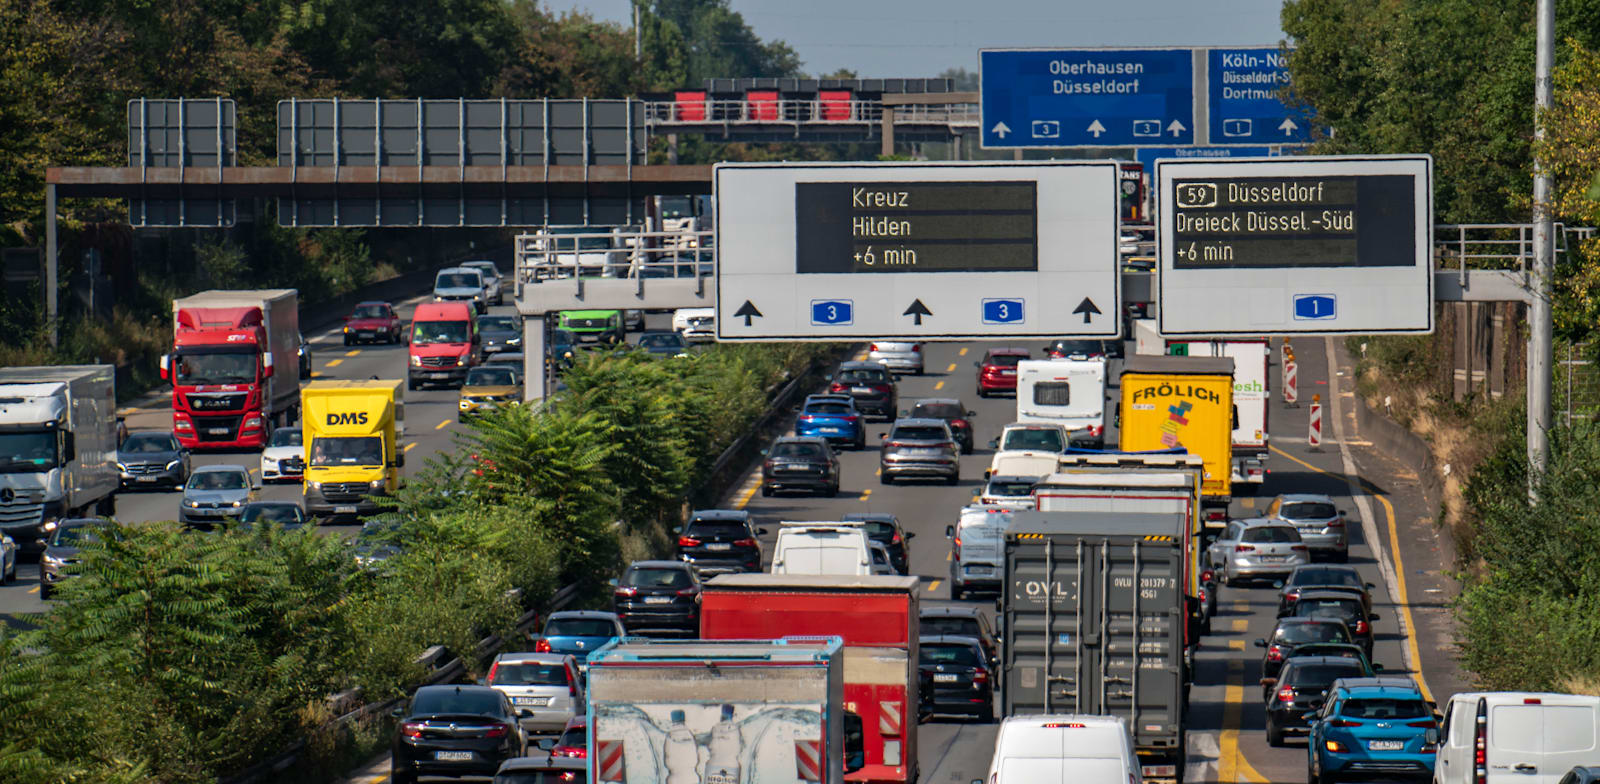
x=885 y=479
x=956 y=591
x=44 y=591
x=953 y=479
x=107 y=507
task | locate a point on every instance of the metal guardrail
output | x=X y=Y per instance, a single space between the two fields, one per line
x=804 y=111
x=1495 y=246
x=626 y=253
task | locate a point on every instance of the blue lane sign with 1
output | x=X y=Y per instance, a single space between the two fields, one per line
x=1245 y=107
x=1087 y=97
x=1315 y=307
x=1002 y=311
x=833 y=312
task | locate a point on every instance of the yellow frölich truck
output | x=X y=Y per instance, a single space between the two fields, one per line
x=1183 y=403
x=352 y=433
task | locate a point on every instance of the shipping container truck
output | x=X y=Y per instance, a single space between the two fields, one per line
x=1094 y=621
x=58 y=448
x=719 y=712
x=1251 y=391
x=1183 y=403
x=234 y=367
x=351 y=437
x=875 y=615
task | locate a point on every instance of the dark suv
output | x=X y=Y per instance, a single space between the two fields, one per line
x=953 y=412
x=919 y=447
x=885 y=529
x=960 y=621
x=870 y=384
x=455 y=731
x=658 y=595
x=963 y=679
x=1301 y=688
x=1339 y=606
x=718 y=541
x=800 y=463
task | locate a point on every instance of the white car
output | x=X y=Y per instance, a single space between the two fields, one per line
x=491 y=280
x=284 y=458
x=697 y=325
x=1009 y=491
x=899 y=356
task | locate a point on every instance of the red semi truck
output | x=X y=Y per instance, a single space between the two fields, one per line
x=234 y=367
x=877 y=617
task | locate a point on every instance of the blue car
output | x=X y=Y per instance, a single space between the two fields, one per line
x=1372 y=728
x=833 y=417
x=578 y=632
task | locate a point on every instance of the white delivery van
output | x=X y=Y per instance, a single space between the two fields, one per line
x=1063 y=749
x=1066 y=392
x=822 y=548
x=1528 y=737
x=975 y=549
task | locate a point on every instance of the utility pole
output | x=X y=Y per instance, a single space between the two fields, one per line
x=1540 y=351
x=638 y=50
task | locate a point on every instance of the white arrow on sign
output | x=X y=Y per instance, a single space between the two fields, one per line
x=1287 y=126
x=1096 y=128
x=1000 y=129
x=1177 y=127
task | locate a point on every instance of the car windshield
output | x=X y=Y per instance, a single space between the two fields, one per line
x=1322 y=675
x=197 y=369
x=147 y=443
x=677 y=206
x=1046 y=440
x=27 y=452
x=1070 y=347
x=497 y=323
x=796 y=450
x=1308 y=510
x=1270 y=534
x=580 y=627
x=74 y=536
x=491 y=377
x=998 y=488
x=551 y=776
x=1385 y=708
x=345 y=451
x=960 y=655
x=662 y=340
x=459 y=280
x=1325 y=576
x=882 y=532
x=863 y=376
x=1337 y=650
x=920 y=433
x=529 y=674
x=657 y=578
x=716 y=530
x=829 y=408
x=574 y=737
x=219 y=480
x=455 y=699
x=370 y=312
x=955 y=627
x=425 y=332
x=272 y=513
x=1311 y=632
x=938 y=411
x=484 y=268
x=1005 y=360
x=288 y=436
x=1334 y=608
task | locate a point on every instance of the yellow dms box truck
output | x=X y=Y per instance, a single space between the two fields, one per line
x=1183 y=403
x=352 y=435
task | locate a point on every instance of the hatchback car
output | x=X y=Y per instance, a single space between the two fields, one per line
x=578 y=633
x=284 y=457
x=1323 y=578
x=720 y=541
x=487 y=387
x=454 y=731
x=870 y=384
x=372 y=322
x=1302 y=686
x=919 y=448
x=63 y=549
x=953 y=412
x=833 y=417
x=960 y=621
x=216 y=494
x=1339 y=606
x=800 y=463
x=288 y=514
x=574 y=740
x=897 y=356
x=1321 y=524
x=664 y=343
x=963 y=680
x=542 y=769
x=885 y=529
x=997 y=371
x=656 y=596
x=1255 y=550
x=1381 y=727
x=152 y=460
x=500 y=333
x=1011 y=492
x=544 y=689
x=1291 y=633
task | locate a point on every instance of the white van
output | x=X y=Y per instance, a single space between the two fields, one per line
x=1529 y=738
x=976 y=542
x=1064 y=749
x=1066 y=392
x=822 y=548
x=1028 y=449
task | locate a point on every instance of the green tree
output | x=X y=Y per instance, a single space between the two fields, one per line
x=719 y=42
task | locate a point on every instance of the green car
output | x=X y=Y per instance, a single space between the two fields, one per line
x=594 y=326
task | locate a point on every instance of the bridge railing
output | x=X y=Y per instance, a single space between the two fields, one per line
x=626 y=253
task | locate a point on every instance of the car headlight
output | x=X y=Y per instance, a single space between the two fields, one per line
x=192 y=504
x=174 y=464
x=122 y=467
x=416 y=361
x=513 y=341
x=313 y=485
x=237 y=504
x=465 y=404
x=347 y=330
x=377 y=484
x=50 y=560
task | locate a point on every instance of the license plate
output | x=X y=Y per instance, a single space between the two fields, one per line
x=217 y=431
x=540 y=701
x=658 y=600
x=147 y=478
x=861 y=390
x=795 y=468
x=828 y=430
x=453 y=756
x=1386 y=745
x=1008 y=372
x=719 y=547
x=438 y=375
x=1273 y=558
x=944 y=679
x=344 y=510
x=980 y=569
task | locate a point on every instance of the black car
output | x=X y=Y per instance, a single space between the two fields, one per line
x=1075 y=349
x=1339 y=606
x=953 y=412
x=800 y=463
x=152 y=460
x=1302 y=687
x=663 y=343
x=1294 y=632
x=871 y=384
x=563 y=348
x=62 y=549
x=1320 y=577
x=658 y=596
x=962 y=681
x=718 y=541
x=454 y=731
x=543 y=769
x=885 y=529
x=960 y=621
x=288 y=514
x=500 y=333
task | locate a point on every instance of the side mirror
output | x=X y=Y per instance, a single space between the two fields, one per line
x=1370 y=586
x=949 y=532
x=761 y=532
x=1277 y=584
x=1431 y=737
x=266 y=364
x=977 y=364
x=612 y=582
x=677 y=529
x=69 y=446
x=1261 y=642
x=1376 y=667
x=994 y=443
x=911 y=534
x=400 y=460
x=1373 y=616
x=545 y=743
x=971 y=413
x=1310 y=716
x=256 y=486
x=1342 y=513
x=398 y=713
x=166 y=366
x=882 y=436
x=905 y=413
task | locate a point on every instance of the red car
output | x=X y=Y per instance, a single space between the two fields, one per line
x=372 y=322
x=997 y=372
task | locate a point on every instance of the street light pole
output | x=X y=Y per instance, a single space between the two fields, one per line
x=1540 y=351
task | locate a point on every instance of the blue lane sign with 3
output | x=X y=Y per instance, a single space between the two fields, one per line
x=1002 y=311
x=1315 y=307
x=833 y=312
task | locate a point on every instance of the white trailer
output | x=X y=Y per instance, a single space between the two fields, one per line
x=1066 y=392
x=58 y=447
x=1251 y=393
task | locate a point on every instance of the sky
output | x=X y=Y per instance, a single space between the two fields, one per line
x=920 y=38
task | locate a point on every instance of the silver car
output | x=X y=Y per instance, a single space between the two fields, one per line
x=1321 y=524
x=899 y=357
x=544 y=688
x=216 y=494
x=1010 y=492
x=919 y=447
x=1255 y=550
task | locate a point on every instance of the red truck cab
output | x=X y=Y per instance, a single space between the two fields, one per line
x=444 y=344
x=232 y=367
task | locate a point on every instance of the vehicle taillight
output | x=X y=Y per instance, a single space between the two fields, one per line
x=1336 y=524
x=837 y=387
x=1361 y=627
x=688 y=541
x=497 y=731
x=882 y=387
x=1244 y=548
x=980 y=677
x=746 y=543
x=1208 y=576
x=872 y=347
x=411 y=729
x=1480 y=744
x=1426 y=724
x=807 y=418
x=493 y=668
x=1299 y=548
x=627 y=590
x=894 y=444
x=542 y=646
x=1286 y=694
x=958 y=423
x=575 y=752
x=1275 y=653
x=1292 y=595
x=1334 y=746
x=895 y=539
x=851 y=418
x=1216 y=514
x=916 y=348
x=1096 y=430
x=1343 y=723
x=688 y=591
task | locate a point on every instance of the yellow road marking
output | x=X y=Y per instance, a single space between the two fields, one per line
x=1241 y=624
x=1231 y=764
x=335 y=362
x=962 y=352
x=1237 y=645
x=949 y=556
x=1249 y=503
x=865 y=493
x=934 y=586
x=938 y=386
x=409 y=446
x=352 y=352
x=878 y=472
x=443 y=425
x=744 y=495
x=951 y=368
x=34 y=589
x=1242 y=605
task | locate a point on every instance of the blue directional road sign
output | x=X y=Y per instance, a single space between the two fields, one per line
x=833 y=312
x=1149 y=155
x=1087 y=97
x=1244 y=106
x=1002 y=311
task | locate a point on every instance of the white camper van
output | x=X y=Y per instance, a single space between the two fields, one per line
x=1066 y=392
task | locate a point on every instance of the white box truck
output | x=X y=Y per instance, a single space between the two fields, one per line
x=1251 y=394
x=58 y=447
